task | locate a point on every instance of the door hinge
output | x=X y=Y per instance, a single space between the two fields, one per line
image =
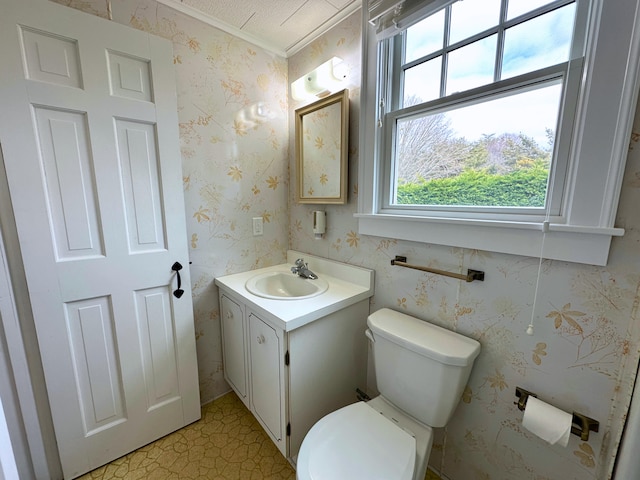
x=288 y=429
x=286 y=358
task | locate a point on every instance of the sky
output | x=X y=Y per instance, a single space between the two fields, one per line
x=530 y=112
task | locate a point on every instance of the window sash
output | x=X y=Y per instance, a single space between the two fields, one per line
x=499 y=29
x=390 y=75
x=568 y=73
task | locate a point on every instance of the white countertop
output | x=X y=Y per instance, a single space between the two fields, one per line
x=347 y=285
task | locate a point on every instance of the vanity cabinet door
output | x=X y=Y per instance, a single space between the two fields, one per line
x=234 y=351
x=266 y=376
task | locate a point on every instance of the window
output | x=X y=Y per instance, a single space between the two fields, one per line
x=462 y=136
x=485 y=120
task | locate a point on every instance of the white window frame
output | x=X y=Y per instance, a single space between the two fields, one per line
x=583 y=229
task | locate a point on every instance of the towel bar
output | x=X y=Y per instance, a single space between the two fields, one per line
x=469 y=277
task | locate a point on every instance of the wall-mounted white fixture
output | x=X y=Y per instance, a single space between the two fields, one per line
x=324 y=80
x=319 y=223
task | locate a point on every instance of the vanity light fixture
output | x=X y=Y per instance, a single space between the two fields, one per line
x=324 y=80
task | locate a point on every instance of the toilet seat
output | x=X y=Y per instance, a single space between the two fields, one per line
x=356 y=442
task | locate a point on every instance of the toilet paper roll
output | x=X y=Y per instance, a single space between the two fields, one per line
x=547 y=422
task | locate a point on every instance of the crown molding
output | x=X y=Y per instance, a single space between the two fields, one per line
x=322 y=29
x=224 y=26
x=260 y=42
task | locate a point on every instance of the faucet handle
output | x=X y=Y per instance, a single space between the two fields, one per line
x=300 y=263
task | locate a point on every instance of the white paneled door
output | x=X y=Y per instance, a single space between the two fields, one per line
x=89 y=131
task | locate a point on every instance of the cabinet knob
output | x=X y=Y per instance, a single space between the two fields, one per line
x=260 y=339
x=229 y=314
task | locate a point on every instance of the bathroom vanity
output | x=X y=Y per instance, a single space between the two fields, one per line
x=295 y=352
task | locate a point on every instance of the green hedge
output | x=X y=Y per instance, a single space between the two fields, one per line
x=520 y=188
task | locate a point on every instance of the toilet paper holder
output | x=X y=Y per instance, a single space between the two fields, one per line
x=582 y=424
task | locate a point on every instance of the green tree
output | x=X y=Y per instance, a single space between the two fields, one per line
x=519 y=188
x=436 y=166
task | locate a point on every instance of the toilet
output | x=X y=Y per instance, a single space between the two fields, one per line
x=421 y=370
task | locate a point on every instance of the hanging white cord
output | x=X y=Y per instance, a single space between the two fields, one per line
x=545 y=229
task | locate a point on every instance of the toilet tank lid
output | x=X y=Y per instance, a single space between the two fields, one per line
x=424 y=338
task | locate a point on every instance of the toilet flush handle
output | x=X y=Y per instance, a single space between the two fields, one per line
x=369 y=335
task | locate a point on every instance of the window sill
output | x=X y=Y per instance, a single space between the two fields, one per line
x=579 y=244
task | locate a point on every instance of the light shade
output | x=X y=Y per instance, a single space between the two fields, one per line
x=324 y=80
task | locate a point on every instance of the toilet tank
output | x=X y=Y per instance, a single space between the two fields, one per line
x=420 y=368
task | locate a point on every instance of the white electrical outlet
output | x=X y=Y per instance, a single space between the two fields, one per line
x=257 y=226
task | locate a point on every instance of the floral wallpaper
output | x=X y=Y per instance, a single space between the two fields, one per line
x=237 y=138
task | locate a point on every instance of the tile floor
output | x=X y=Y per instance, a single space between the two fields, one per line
x=227 y=443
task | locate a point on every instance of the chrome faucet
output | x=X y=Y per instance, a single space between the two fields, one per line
x=302 y=270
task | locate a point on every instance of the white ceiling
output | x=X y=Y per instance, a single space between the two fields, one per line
x=281 y=26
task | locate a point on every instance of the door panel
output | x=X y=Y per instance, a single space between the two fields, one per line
x=139 y=172
x=70 y=186
x=51 y=58
x=94 y=351
x=157 y=335
x=92 y=161
x=129 y=77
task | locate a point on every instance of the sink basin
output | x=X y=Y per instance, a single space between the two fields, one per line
x=285 y=286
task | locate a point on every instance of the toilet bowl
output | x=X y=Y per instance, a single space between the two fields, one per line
x=421 y=370
x=365 y=441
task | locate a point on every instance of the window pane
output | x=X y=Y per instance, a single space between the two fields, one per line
x=425 y=37
x=422 y=82
x=520 y=7
x=471 y=65
x=538 y=43
x=471 y=17
x=496 y=153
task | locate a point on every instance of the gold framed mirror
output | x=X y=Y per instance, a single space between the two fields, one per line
x=322 y=148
